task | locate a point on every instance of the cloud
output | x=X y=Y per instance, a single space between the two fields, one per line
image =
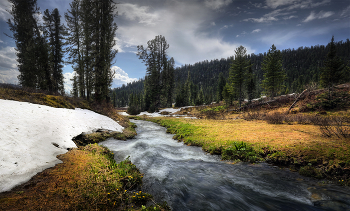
x=276 y=3
x=137 y=13
x=295 y=4
x=256 y=31
x=267 y=17
x=257 y=5
x=8 y=65
x=320 y=15
x=67 y=81
x=262 y=19
x=272 y=16
x=8 y=58
x=345 y=12
x=217 y=4
x=183 y=25
x=118 y=46
x=121 y=77
x=4 y=5
x=289 y=8
x=290 y=17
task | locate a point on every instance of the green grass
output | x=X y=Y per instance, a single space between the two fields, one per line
x=301 y=148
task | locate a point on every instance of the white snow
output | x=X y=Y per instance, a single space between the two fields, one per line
x=27 y=134
x=171 y=111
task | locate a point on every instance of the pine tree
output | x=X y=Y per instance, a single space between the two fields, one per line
x=103 y=35
x=188 y=91
x=159 y=77
x=333 y=70
x=55 y=31
x=75 y=89
x=88 y=59
x=32 y=50
x=200 y=98
x=227 y=94
x=168 y=78
x=74 y=43
x=220 y=88
x=238 y=73
x=274 y=74
x=250 y=83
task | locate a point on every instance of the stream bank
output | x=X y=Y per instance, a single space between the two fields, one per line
x=190 y=179
x=331 y=163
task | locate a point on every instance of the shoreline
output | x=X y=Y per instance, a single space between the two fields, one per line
x=338 y=173
x=87 y=177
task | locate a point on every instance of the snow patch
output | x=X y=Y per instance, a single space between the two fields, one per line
x=31 y=136
x=171 y=111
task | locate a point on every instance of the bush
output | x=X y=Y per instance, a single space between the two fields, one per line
x=133 y=110
x=256 y=115
x=335 y=126
x=275 y=118
x=240 y=151
x=216 y=112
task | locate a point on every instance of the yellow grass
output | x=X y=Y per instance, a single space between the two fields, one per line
x=296 y=141
x=88 y=179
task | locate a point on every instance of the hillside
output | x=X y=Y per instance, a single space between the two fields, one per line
x=302 y=67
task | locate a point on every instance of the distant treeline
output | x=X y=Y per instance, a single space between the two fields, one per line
x=302 y=67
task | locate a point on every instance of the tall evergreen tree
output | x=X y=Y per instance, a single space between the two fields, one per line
x=274 y=75
x=238 y=73
x=103 y=34
x=250 y=83
x=220 y=88
x=55 y=31
x=226 y=94
x=333 y=71
x=75 y=89
x=200 y=98
x=159 y=73
x=91 y=45
x=169 y=82
x=74 y=43
x=88 y=57
x=32 y=50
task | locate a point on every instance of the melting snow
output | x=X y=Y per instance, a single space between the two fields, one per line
x=171 y=111
x=31 y=136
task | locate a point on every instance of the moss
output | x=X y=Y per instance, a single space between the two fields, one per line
x=311 y=171
x=101 y=135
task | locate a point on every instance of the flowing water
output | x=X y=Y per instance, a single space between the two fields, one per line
x=190 y=179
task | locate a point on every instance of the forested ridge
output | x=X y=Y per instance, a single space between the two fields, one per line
x=302 y=67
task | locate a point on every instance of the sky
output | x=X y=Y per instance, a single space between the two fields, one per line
x=198 y=30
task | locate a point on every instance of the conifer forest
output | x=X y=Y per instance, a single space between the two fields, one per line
x=216 y=80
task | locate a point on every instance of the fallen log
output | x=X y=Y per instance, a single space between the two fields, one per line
x=296 y=100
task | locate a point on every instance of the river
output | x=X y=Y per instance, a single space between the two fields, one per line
x=190 y=179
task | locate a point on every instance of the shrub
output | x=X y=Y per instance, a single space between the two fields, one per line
x=240 y=151
x=256 y=115
x=335 y=126
x=275 y=118
x=216 y=112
